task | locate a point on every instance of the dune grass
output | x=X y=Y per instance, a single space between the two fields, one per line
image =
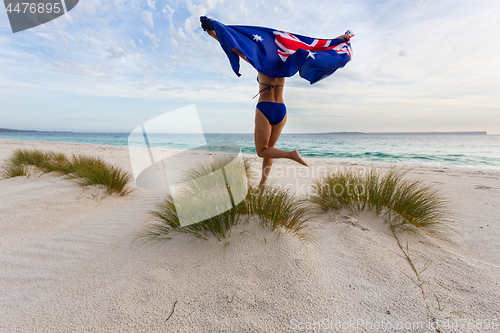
x=11 y=170
x=86 y=171
x=92 y=171
x=21 y=161
x=167 y=221
x=408 y=204
x=278 y=209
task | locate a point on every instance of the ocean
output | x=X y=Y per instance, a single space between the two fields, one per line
x=462 y=150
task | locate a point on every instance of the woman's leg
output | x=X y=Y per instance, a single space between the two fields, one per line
x=266 y=136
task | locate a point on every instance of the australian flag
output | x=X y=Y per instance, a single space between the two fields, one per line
x=277 y=53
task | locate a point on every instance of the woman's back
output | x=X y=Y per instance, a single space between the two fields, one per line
x=271 y=88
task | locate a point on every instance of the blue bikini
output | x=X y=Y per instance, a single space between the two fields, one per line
x=274 y=112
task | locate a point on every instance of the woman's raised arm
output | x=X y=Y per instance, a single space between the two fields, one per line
x=213 y=34
x=240 y=54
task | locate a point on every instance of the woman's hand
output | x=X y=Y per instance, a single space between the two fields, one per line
x=345 y=37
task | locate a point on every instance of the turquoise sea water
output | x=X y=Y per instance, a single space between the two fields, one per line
x=477 y=151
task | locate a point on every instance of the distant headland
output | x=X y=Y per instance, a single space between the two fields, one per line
x=409 y=133
x=8 y=130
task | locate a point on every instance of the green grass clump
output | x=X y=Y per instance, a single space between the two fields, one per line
x=87 y=171
x=279 y=211
x=405 y=202
x=339 y=190
x=168 y=222
x=277 y=208
x=203 y=192
x=92 y=171
x=11 y=170
x=21 y=160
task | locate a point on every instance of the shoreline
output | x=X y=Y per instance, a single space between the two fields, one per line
x=353 y=162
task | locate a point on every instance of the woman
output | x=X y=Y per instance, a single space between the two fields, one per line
x=270 y=118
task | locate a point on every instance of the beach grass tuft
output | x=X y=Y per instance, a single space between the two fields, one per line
x=11 y=170
x=87 y=171
x=167 y=221
x=409 y=204
x=277 y=208
x=22 y=160
x=202 y=192
x=92 y=171
x=279 y=211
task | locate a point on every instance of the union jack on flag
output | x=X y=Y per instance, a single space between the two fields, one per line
x=278 y=53
x=288 y=44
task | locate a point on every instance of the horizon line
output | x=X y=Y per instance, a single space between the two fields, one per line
x=7 y=130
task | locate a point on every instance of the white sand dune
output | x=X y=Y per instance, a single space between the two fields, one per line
x=68 y=262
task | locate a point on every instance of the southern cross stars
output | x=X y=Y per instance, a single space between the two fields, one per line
x=311 y=54
x=257 y=38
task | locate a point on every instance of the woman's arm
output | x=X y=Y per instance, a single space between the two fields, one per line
x=213 y=34
x=240 y=54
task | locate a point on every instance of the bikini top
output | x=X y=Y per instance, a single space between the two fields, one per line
x=269 y=87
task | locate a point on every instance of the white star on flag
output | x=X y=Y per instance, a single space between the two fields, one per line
x=257 y=38
x=311 y=54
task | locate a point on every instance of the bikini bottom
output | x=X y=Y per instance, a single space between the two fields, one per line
x=274 y=112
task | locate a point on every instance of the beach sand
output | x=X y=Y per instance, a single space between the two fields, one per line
x=68 y=262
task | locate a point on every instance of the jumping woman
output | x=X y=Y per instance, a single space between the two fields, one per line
x=270 y=112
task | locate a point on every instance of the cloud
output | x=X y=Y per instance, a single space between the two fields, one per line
x=148 y=18
x=101 y=73
x=152 y=37
x=116 y=52
x=92 y=99
x=243 y=9
x=197 y=10
x=169 y=13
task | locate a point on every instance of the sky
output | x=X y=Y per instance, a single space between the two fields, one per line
x=108 y=66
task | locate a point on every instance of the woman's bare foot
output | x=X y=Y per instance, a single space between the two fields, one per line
x=262 y=186
x=296 y=157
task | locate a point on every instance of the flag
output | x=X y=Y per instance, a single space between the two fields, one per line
x=277 y=53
